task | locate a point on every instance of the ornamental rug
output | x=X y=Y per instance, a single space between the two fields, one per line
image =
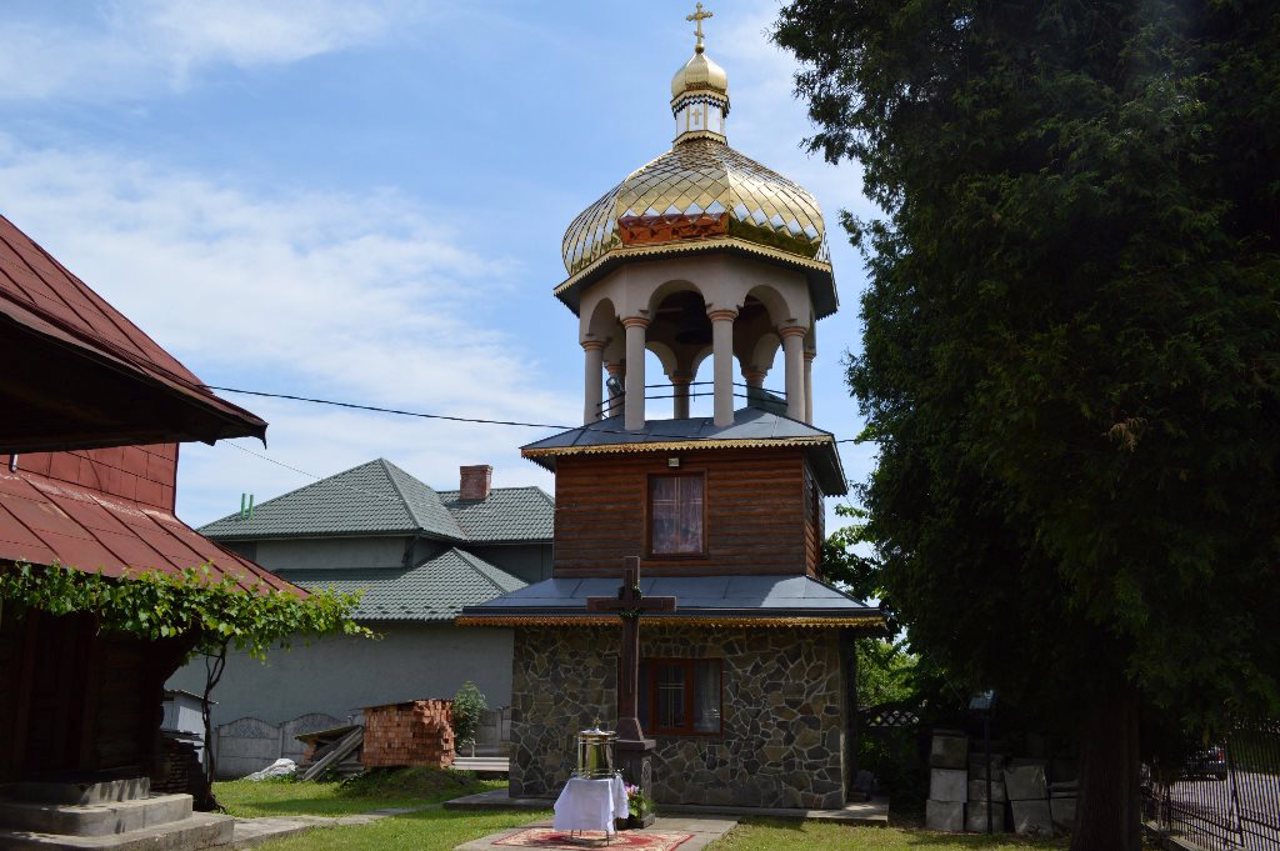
x=628 y=840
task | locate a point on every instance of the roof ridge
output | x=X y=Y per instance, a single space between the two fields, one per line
x=392 y=471
x=307 y=486
x=481 y=567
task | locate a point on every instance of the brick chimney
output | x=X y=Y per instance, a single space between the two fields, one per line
x=475 y=481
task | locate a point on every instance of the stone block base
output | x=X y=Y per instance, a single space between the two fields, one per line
x=1032 y=818
x=946 y=816
x=975 y=817
x=1063 y=811
x=948 y=784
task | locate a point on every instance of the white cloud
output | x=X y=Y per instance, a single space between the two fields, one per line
x=370 y=298
x=141 y=46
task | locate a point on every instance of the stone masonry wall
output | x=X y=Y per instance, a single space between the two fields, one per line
x=782 y=737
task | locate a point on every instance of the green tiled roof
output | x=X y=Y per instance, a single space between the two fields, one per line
x=377 y=498
x=509 y=514
x=435 y=590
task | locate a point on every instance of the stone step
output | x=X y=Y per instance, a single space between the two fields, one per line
x=94 y=791
x=94 y=819
x=201 y=830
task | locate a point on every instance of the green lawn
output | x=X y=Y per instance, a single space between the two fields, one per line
x=409 y=788
x=437 y=829
x=784 y=834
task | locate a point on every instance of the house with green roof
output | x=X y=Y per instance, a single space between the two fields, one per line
x=419 y=556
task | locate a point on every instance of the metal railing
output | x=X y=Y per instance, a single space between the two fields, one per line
x=755 y=396
x=1227 y=796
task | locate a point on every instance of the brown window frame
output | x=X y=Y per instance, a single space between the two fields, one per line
x=650 y=685
x=648 y=516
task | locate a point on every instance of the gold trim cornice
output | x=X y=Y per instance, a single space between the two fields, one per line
x=691 y=247
x=675 y=445
x=772 y=622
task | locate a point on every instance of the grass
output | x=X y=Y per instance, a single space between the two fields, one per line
x=413 y=787
x=781 y=834
x=434 y=828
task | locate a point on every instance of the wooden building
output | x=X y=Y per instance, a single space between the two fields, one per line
x=88 y=466
x=712 y=263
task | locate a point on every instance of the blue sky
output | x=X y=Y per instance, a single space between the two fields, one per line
x=365 y=201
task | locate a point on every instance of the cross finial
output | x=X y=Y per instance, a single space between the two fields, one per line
x=698 y=17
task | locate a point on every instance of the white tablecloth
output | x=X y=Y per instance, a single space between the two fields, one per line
x=591 y=804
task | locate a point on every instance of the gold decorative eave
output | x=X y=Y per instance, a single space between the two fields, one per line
x=818 y=271
x=676 y=446
x=869 y=621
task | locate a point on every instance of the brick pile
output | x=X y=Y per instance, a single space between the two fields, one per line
x=417 y=733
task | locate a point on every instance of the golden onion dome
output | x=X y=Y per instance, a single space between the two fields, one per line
x=700 y=73
x=700 y=195
x=700 y=189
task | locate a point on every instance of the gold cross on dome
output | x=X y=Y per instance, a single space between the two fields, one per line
x=698 y=17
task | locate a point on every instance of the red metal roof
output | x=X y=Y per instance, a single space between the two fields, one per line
x=43 y=297
x=43 y=521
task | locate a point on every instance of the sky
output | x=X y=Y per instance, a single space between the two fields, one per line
x=364 y=200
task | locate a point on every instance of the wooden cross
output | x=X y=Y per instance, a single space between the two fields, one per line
x=629 y=605
x=698 y=17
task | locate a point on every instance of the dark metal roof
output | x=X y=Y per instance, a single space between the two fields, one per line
x=375 y=498
x=435 y=590
x=57 y=333
x=751 y=428
x=379 y=498
x=507 y=515
x=744 y=598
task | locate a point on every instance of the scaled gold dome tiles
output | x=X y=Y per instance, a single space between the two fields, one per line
x=700 y=189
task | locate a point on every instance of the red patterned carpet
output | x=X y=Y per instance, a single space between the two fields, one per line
x=627 y=840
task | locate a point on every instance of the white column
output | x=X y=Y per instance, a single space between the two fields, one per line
x=722 y=355
x=633 y=404
x=808 y=386
x=594 y=364
x=680 y=394
x=793 y=347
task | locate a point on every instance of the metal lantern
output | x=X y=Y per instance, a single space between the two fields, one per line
x=595 y=752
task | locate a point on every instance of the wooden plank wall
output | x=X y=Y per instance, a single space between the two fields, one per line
x=759 y=516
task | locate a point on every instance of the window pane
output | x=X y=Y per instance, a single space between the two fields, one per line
x=675 y=511
x=670 y=691
x=706 y=696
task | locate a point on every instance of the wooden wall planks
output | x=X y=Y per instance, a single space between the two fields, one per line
x=760 y=513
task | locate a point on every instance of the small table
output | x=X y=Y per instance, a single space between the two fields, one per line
x=586 y=804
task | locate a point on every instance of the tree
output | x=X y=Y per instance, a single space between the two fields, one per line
x=1072 y=350
x=469 y=705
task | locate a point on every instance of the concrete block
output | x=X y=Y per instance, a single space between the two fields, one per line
x=1025 y=781
x=1032 y=818
x=1063 y=812
x=946 y=816
x=948 y=784
x=949 y=750
x=978 y=790
x=975 y=817
x=978 y=766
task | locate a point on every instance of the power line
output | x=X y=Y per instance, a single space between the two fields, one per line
x=426 y=416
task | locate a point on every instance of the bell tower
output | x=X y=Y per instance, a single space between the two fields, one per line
x=717 y=267
x=711 y=261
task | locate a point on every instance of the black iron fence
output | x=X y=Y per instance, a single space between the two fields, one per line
x=1227 y=795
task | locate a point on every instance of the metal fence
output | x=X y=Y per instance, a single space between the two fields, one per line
x=1227 y=795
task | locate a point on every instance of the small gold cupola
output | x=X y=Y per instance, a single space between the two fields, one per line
x=700 y=92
